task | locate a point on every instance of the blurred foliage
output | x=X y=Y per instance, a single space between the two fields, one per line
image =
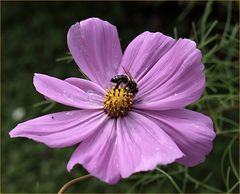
x=34 y=35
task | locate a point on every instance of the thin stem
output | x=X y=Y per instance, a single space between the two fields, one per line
x=72 y=182
x=171 y=179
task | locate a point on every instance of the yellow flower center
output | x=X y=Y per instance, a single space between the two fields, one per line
x=118 y=101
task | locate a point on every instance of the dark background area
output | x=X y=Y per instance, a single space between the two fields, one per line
x=33 y=36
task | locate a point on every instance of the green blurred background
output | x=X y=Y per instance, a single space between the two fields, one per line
x=33 y=36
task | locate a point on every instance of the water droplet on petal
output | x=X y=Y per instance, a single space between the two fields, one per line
x=90 y=92
x=67 y=95
x=69 y=113
x=90 y=96
x=94 y=98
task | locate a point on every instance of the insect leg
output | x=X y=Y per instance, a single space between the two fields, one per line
x=118 y=84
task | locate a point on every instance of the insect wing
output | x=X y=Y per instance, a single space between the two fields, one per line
x=128 y=73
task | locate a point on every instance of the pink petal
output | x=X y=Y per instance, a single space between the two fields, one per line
x=176 y=80
x=98 y=154
x=192 y=131
x=124 y=146
x=144 y=52
x=87 y=86
x=95 y=47
x=61 y=129
x=65 y=93
x=142 y=145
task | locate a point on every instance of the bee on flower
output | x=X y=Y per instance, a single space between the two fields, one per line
x=130 y=116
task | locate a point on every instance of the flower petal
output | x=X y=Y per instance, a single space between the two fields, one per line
x=175 y=81
x=142 y=145
x=86 y=85
x=144 y=52
x=65 y=93
x=95 y=47
x=124 y=146
x=61 y=129
x=192 y=131
x=98 y=154
x=95 y=92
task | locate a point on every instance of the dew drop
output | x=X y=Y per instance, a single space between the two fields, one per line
x=90 y=92
x=67 y=95
x=92 y=97
x=69 y=113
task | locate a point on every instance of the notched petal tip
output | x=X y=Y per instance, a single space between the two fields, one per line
x=13 y=133
x=37 y=78
x=194 y=46
x=16 y=132
x=89 y=20
x=36 y=75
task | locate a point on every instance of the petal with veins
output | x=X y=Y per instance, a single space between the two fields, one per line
x=95 y=47
x=65 y=93
x=192 y=131
x=61 y=129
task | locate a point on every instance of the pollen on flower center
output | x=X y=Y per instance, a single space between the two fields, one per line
x=118 y=101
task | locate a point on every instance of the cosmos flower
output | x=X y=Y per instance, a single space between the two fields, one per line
x=131 y=116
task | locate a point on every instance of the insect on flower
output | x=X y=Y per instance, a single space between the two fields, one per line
x=126 y=79
x=131 y=116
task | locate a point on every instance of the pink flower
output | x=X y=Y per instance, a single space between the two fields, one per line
x=125 y=129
